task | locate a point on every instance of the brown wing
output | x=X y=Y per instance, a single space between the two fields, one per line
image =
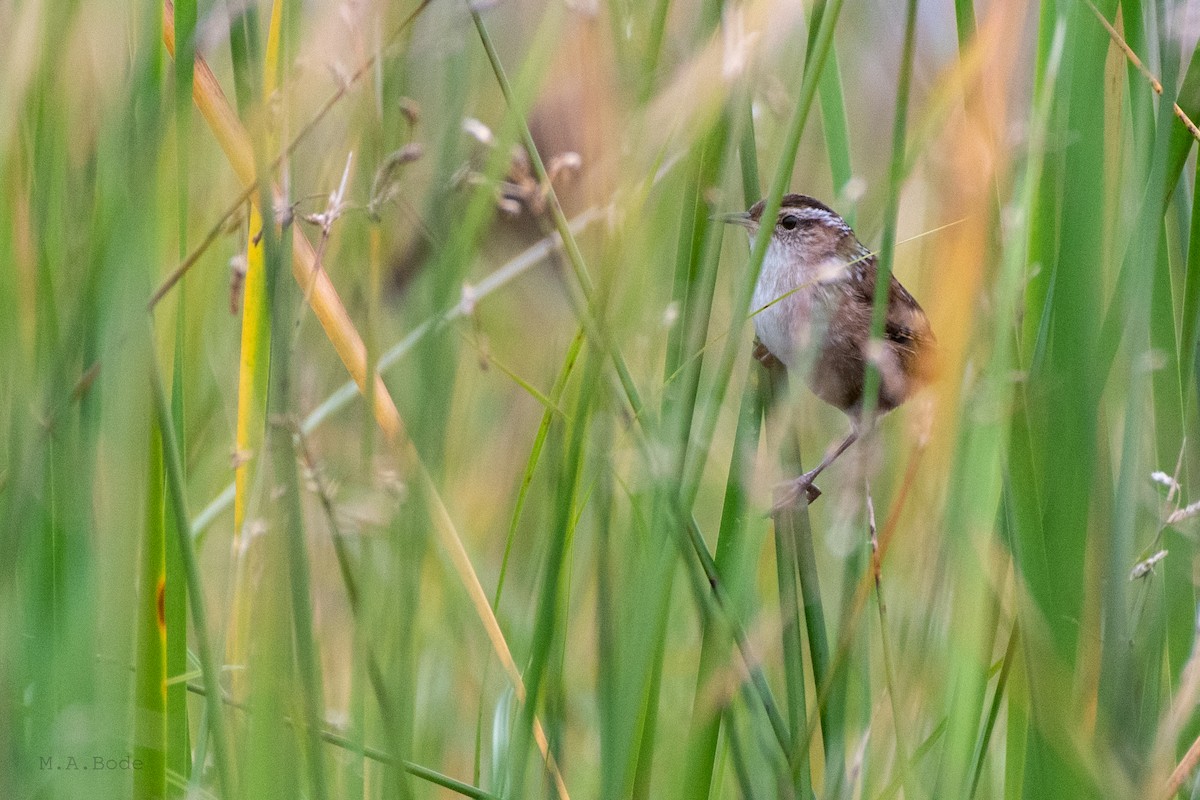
x=906 y=329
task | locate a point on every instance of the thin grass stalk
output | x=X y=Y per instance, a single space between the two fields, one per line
x=658 y=27
x=554 y=401
x=635 y=649
x=989 y=725
x=1189 y=335
x=371 y=337
x=792 y=525
x=274 y=756
x=786 y=558
x=796 y=525
x=833 y=111
x=889 y=675
x=608 y=640
x=887 y=248
x=644 y=772
x=715 y=602
x=737 y=750
x=748 y=153
x=737 y=550
x=253 y=363
x=561 y=224
x=178 y=759
x=209 y=674
x=1141 y=102
x=908 y=767
x=373 y=753
x=244 y=50
x=389 y=716
x=690 y=216
x=837 y=129
x=964 y=22
x=175 y=592
x=717 y=155
x=831 y=700
x=253 y=378
x=546 y=622
x=279 y=440
x=1016 y=735
x=150 y=726
x=883 y=279
x=183 y=15
x=284 y=465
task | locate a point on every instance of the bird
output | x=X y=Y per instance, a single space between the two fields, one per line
x=812 y=309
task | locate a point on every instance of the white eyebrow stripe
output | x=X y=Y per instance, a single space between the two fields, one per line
x=818 y=214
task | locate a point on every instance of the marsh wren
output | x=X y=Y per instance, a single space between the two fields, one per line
x=812 y=311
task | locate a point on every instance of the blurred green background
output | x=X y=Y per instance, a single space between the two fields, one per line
x=552 y=573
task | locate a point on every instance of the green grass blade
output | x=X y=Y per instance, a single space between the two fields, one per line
x=892 y=212
x=175 y=600
x=737 y=550
x=150 y=744
x=174 y=469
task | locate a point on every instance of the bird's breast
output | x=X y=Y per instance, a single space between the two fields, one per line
x=790 y=308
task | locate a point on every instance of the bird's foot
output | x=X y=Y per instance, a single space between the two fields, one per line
x=788 y=493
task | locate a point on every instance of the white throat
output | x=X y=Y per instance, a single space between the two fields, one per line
x=787 y=302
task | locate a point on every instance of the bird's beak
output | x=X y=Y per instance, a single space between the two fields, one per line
x=741 y=218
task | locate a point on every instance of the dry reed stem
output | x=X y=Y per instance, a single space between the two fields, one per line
x=1174 y=719
x=1183 y=770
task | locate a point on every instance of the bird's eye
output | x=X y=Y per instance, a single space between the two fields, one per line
x=789 y=222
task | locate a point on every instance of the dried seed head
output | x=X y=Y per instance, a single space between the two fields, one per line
x=1146 y=566
x=410 y=110
x=1181 y=514
x=386 y=184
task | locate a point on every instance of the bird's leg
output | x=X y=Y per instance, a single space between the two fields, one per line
x=790 y=491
